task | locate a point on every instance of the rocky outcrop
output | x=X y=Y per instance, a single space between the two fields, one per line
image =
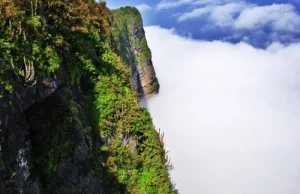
x=127 y=28
x=15 y=134
x=29 y=123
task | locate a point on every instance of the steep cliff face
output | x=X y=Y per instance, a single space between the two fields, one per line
x=70 y=120
x=128 y=33
x=43 y=143
x=16 y=135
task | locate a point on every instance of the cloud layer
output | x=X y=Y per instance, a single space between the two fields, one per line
x=230 y=114
x=166 y=4
x=171 y=4
x=237 y=20
x=222 y=15
x=246 y=16
x=281 y=17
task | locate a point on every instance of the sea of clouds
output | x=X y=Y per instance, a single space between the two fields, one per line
x=230 y=114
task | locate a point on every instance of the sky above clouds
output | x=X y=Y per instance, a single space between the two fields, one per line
x=258 y=22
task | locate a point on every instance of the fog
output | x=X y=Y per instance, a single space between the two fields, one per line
x=230 y=114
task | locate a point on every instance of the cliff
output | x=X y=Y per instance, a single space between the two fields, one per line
x=128 y=33
x=70 y=120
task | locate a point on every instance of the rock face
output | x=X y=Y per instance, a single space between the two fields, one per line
x=26 y=125
x=15 y=134
x=127 y=28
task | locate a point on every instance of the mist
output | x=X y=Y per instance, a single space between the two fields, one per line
x=230 y=114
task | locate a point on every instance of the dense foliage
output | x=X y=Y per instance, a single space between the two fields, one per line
x=37 y=38
x=134 y=149
x=125 y=27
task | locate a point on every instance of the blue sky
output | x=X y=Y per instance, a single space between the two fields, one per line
x=257 y=22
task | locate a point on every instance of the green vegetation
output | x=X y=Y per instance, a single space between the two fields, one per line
x=56 y=146
x=139 y=161
x=155 y=86
x=2 y=166
x=127 y=30
x=37 y=38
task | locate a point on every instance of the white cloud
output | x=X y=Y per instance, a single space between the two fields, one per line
x=213 y=2
x=205 y=2
x=196 y=13
x=224 y=15
x=143 y=8
x=281 y=17
x=171 y=4
x=167 y=4
x=230 y=114
x=242 y=15
x=220 y=15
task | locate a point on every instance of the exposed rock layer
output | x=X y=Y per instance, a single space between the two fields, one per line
x=133 y=49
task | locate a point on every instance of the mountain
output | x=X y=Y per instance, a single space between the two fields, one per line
x=71 y=76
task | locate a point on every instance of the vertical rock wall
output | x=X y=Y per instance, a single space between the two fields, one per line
x=127 y=29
